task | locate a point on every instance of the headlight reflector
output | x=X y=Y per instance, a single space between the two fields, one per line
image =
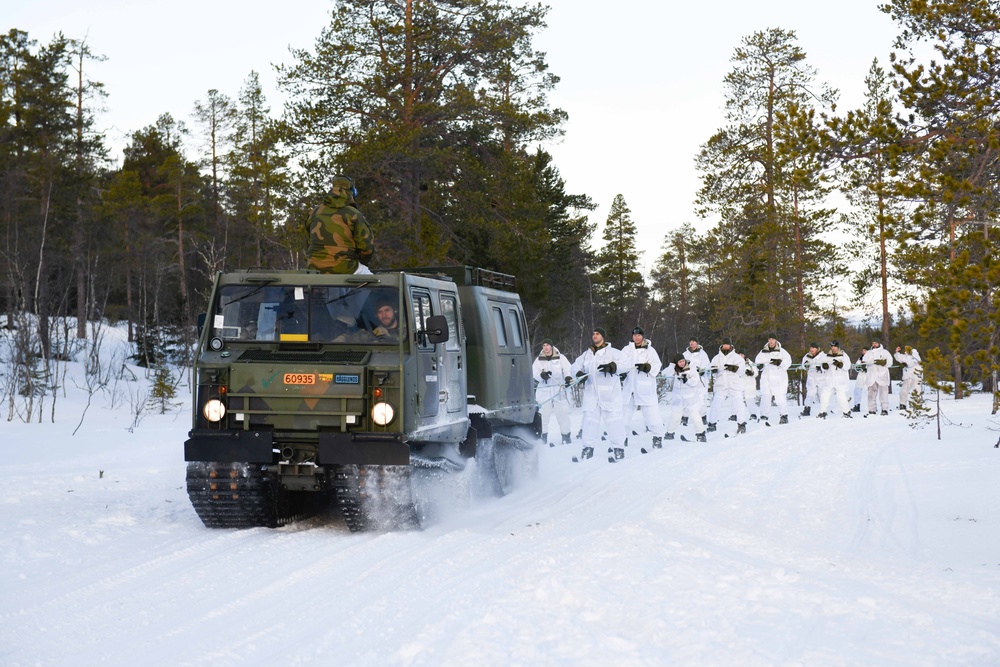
x=382 y=413
x=214 y=410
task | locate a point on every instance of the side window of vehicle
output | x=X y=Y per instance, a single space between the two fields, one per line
x=421 y=311
x=517 y=339
x=501 y=329
x=449 y=308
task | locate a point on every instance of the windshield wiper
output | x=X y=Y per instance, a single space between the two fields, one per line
x=347 y=294
x=255 y=290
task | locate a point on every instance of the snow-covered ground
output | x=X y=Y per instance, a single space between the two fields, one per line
x=837 y=542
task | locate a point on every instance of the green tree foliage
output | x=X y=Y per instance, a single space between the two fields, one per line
x=436 y=110
x=618 y=286
x=215 y=116
x=677 y=287
x=559 y=303
x=760 y=180
x=870 y=140
x=49 y=158
x=171 y=214
x=954 y=142
x=430 y=106
x=961 y=315
x=259 y=186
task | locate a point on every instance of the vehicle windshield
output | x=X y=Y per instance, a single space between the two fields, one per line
x=296 y=313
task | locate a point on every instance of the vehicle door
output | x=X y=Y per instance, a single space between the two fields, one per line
x=451 y=361
x=428 y=379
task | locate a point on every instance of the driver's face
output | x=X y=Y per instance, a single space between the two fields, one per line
x=386 y=315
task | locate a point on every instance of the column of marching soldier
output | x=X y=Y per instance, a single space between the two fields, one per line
x=618 y=383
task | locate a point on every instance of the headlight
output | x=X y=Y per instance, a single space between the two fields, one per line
x=214 y=410
x=382 y=413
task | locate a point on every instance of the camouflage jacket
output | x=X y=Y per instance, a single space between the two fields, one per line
x=339 y=235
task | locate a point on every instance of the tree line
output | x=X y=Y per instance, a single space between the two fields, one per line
x=917 y=165
x=440 y=112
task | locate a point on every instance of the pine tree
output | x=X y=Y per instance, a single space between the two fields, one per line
x=90 y=156
x=430 y=106
x=163 y=390
x=557 y=297
x=954 y=138
x=259 y=186
x=759 y=180
x=675 y=286
x=963 y=311
x=870 y=141
x=618 y=286
x=215 y=115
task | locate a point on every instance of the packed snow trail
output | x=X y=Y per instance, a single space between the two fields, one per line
x=828 y=542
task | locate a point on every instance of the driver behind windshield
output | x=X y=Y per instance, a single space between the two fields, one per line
x=388 y=323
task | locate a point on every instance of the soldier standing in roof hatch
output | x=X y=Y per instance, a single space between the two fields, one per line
x=340 y=240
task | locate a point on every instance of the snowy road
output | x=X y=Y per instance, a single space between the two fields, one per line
x=834 y=542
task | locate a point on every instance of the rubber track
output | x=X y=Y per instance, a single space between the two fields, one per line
x=238 y=495
x=375 y=497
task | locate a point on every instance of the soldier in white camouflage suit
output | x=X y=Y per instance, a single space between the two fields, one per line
x=602 y=395
x=551 y=371
x=812 y=376
x=913 y=371
x=641 y=364
x=699 y=360
x=878 y=361
x=773 y=361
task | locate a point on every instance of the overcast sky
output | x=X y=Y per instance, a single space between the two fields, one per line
x=641 y=79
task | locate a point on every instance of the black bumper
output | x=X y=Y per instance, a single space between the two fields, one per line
x=378 y=449
x=229 y=446
x=335 y=448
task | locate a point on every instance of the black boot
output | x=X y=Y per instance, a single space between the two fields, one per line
x=732 y=418
x=700 y=437
x=822 y=415
x=668 y=436
x=567 y=439
x=657 y=442
x=857 y=408
x=711 y=427
x=805 y=411
x=847 y=415
x=588 y=452
x=741 y=428
x=704 y=420
x=884 y=413
x=783 y=420
x=684 y=421
x=619 y=453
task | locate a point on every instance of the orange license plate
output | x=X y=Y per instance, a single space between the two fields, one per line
x=300 y=378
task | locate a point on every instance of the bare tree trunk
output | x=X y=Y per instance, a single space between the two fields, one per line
x=883 y=264
x=41 y=284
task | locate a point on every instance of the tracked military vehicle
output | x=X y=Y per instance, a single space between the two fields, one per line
x=364 y=393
